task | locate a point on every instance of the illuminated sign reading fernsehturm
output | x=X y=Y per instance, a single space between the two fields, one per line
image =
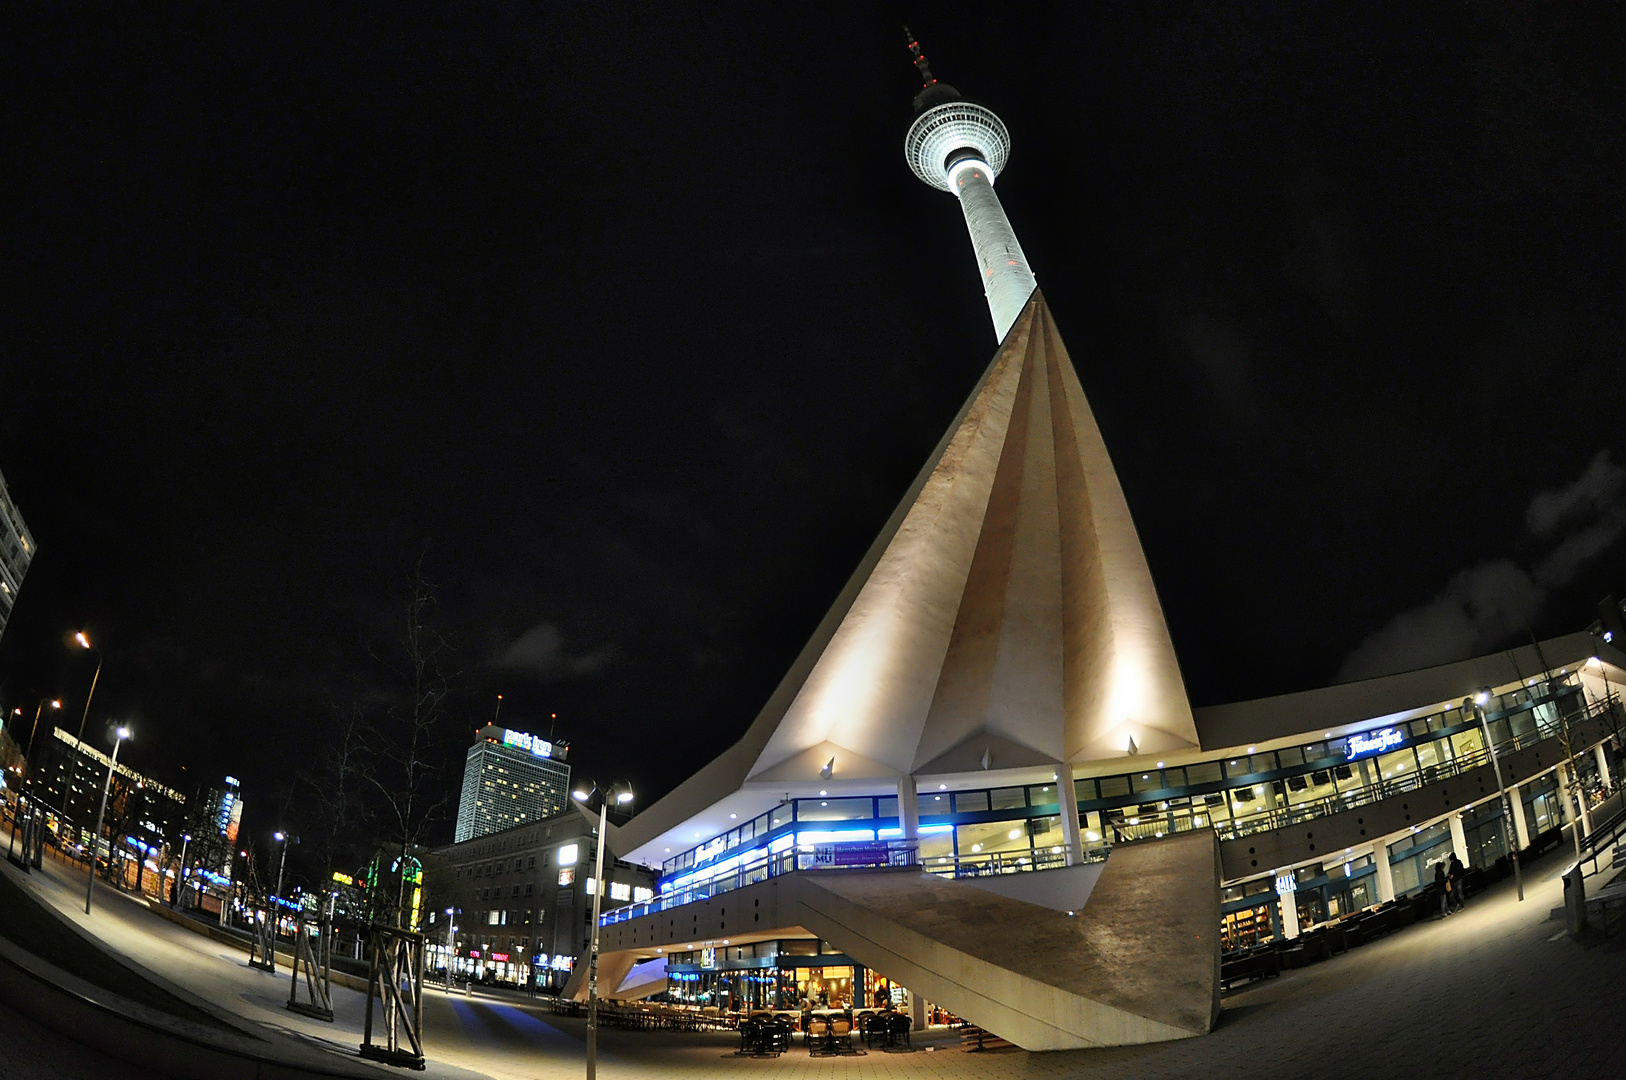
x=961 y=147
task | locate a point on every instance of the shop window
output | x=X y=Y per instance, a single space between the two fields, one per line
x=1013 y=798
x=1290 y=757
x=1310 y=787
x=799 y=947
x=970 y=802
x=1146 y=781
x=936 y=804
x=997 y=841
x=1207 y=772
x=1047 y=835
x=1044 y=796
x=1431 y=756
x=886 y=806
x=780 y=815
x=1093 y=832
x=1114 y=787
x=1399 y=765
x=620 y=891
x=834 y=809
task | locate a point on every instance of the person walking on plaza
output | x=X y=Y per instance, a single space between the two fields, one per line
x=1443 y=883
x=1457 y=875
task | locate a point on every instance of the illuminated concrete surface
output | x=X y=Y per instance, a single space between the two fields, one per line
x=1002 y=624
x=1494 y=992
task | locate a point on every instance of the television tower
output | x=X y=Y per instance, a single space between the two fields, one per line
x=960 y=147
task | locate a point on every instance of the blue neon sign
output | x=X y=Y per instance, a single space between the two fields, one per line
x=1368 y=743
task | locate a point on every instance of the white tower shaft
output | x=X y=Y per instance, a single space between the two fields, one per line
x=1007 y=281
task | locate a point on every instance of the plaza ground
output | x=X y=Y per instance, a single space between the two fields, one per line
x=1496 y=991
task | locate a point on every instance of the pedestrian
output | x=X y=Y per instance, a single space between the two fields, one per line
x=1443 y=884
x=1457 y=875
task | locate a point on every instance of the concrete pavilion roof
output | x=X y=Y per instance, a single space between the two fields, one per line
x=1004 y=621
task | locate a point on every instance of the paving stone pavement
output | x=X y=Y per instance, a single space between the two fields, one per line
x=1494 y=992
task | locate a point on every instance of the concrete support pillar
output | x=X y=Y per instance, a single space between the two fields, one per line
x=1385 y=872
x=1290 y=910
x=1521 y=831
x=1573 y=801
x=1603 y=764
x=1459 y=840
x=1071 y=833
x=917 y=1011
x=1369 y=775
x=908 y=807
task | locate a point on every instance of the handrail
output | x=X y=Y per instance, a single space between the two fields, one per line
x=1603 y=837
x=767 y=863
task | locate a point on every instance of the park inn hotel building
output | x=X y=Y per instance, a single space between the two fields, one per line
x=982 y=781
x=510 y=778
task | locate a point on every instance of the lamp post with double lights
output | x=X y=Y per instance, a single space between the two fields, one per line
x=1510 y=835
x=619 y=793
x=96 y=837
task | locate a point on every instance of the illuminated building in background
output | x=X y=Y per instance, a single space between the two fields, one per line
x=226 y=813
x=511 y=777
x=137 y=805
x=16 y=552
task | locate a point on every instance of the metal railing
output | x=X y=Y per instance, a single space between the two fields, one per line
x=1146 y=826
x=810 y=857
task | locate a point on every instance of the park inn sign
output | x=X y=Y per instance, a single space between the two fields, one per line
x=523 y=741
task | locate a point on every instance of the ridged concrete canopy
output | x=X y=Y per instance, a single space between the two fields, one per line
x=1007 y=610
x=1005 y=618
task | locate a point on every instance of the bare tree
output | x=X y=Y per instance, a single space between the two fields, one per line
x=410 y=758
x=336 y=812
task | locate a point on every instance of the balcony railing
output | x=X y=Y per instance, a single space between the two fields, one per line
x=1147 y=826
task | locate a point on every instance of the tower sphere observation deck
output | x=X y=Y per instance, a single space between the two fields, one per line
x=961 y=147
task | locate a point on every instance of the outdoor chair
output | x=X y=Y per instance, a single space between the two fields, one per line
x=816 y=1034
x=750 y=1037
x=776 y=1035
x=841 y=1035
x=898 y=1027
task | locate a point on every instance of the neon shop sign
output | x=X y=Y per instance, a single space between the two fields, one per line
x=1373 y=742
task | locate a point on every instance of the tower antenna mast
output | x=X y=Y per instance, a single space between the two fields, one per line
x=925 y=69
x=960 y=147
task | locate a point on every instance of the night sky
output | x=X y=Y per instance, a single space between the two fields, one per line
x=632 y=325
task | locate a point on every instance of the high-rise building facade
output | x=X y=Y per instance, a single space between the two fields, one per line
x=511 y=777
x=138 y=806
x=16 y=552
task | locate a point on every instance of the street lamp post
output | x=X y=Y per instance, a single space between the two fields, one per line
x=451 y=947
x=96 y=837
x=180 y=879
x=621 y=795
x=1509 y=834
x=28 y=755
x=67 y=784
x=282 y=860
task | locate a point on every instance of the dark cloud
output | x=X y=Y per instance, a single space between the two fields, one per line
x=540 y=653
x=1485 y=605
